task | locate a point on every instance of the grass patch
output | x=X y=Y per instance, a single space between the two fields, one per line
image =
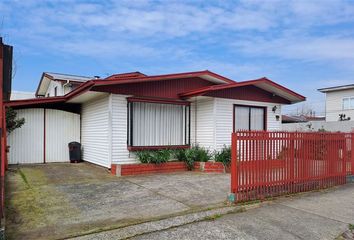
x=213 y=217
x=24 y=178
x=351 y=227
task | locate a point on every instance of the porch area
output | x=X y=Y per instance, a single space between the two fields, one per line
x=61 y=200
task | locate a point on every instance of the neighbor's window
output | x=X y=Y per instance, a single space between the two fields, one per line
x=156 y=124
x=348 y=103
x=249 y=118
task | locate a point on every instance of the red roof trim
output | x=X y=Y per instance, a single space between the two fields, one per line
x=23 y=102
x=202 y=91
x=158 y=100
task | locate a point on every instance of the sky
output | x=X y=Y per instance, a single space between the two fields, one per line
x=303 y=44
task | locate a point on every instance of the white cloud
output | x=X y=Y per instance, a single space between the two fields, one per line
x=307 y=48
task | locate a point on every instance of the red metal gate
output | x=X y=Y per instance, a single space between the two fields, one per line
x=267 y=164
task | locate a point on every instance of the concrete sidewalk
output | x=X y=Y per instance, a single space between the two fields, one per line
x=317 y=215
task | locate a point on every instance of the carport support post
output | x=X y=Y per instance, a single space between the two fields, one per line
x=232 y=196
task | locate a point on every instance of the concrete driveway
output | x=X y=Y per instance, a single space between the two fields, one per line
x=65 y=200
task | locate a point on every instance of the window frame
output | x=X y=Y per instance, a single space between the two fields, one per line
x=130 y=107
x=249 y=116
x=350 y=98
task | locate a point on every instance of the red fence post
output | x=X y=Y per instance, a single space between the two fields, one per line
x=352 y=153
x=234 y=163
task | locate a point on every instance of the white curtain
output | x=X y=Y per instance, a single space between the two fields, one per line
x=156 y=124
x=257 y=118
x=242 y=118
x=249 y=118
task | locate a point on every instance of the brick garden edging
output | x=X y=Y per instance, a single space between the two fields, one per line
x=169 y=167
x=209 y=167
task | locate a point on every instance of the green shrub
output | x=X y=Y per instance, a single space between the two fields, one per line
x=161 y=156
x=223 y=156
x=194 y=154
x=200 y=154
x=156 y=157
x=144 y=156
x=180 y=155
x=190 y=159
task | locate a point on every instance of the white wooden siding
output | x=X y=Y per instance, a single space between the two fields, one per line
x=95 y=131
x=334 y=105
x=27 y=143
x=120 y=153
x=203 y=122
x=61 y=128
x=224 y=119
x=51 y=87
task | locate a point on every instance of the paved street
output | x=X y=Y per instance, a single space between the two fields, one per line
x=319 y=215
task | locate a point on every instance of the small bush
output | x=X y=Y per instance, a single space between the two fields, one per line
x=160 y=156
x=144 y=156
x=180 y=155
x=190 y=159
x=194 y=154
x=223 y=156
x=156 y=157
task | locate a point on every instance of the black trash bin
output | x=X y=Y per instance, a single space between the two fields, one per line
x=75 y=152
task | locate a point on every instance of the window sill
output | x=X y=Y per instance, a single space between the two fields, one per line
x=141 y=148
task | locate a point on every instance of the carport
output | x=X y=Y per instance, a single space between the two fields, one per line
x=46 y=133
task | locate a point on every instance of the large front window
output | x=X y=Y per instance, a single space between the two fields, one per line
x=158 y=124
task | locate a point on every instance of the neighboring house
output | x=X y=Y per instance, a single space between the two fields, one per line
x=339 y=103
x=115 y=116
x=16 y=95
x=285 y=119
x=58 y=84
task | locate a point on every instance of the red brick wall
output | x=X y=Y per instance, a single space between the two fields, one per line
x=170 y=167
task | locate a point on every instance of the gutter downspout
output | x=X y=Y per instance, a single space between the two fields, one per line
x=64 y=85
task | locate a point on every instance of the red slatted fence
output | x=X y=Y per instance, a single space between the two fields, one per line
x=267 y=164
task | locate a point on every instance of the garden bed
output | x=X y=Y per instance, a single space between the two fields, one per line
x=168 y=167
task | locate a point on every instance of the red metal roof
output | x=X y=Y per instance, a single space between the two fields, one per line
x=137 y=77
x=131 y=75
x=264 y=80
x=143 y=78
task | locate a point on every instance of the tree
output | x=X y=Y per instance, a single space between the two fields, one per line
x=11 y=121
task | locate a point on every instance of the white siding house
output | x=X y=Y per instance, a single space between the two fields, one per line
x=131 y=112
x=339 y=100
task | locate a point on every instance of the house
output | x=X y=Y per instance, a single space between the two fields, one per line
x=339 y=103
x=299 y=119
x=123 y=113
x=58 y=84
